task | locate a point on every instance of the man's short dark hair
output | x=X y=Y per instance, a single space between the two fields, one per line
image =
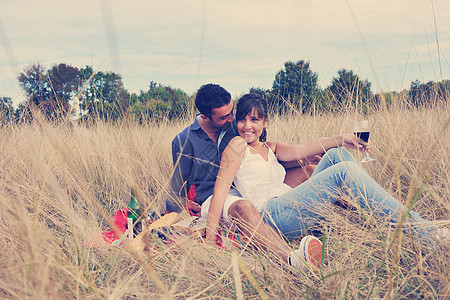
x=210 y=96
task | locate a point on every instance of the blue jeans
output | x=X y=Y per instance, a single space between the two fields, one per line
x=337 y=173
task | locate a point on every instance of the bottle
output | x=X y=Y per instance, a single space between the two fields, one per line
x=134 y=212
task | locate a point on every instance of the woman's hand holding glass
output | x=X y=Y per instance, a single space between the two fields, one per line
x=349 y=140
x=361 y=130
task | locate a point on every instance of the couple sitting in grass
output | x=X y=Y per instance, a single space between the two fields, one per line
x=239 y=179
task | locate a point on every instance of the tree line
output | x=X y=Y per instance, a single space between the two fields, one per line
x=102 y=95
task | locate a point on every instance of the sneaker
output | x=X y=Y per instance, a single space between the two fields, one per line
x=308 y=255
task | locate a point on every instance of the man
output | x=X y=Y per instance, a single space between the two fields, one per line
x=197 y=153
x=197 y=150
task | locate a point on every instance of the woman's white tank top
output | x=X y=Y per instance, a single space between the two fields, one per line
x=258 y=180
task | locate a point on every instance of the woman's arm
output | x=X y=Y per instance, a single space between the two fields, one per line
x=286 y=152
x=231 y=160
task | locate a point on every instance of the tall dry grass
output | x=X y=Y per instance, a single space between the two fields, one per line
x=60 y=185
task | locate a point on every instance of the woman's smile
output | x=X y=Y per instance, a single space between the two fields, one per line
x=248 y=132
x=251 y=127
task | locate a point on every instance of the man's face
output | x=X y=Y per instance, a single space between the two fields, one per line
x=222 y=116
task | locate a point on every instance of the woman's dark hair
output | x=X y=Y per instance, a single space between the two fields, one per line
x=245 y=106
x=210 y=96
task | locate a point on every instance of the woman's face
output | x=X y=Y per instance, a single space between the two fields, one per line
x=251 y=127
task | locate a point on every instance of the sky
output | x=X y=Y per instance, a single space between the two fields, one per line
x=237 y=44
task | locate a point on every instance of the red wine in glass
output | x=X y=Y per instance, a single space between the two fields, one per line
x=363 y=135
x=362 y=130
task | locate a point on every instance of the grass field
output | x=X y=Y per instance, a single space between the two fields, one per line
x=60 y=186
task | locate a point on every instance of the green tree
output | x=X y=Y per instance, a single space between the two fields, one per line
x=260 y=91
x=103 y=94
x=348 y=90
x=159 y=102
x=6 y=110
x=34 y=83
x=430 y=93
x=294 y=87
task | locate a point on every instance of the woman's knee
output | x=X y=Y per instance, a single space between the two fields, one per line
x=332 y=152
x=242 y=209
x=348 y=166
x=339 y=154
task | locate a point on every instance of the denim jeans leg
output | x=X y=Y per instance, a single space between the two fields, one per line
x=338 y=172
x=332 y=157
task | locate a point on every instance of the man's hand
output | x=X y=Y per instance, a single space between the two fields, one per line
x=312 y=160
x=193 y=206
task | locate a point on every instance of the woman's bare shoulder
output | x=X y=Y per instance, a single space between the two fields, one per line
x=272 y=145
x=238 y=140
x=237 y=144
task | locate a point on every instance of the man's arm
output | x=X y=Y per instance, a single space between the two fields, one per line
x=182 y=160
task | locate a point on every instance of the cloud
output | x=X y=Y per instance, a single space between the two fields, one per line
x=240 y=43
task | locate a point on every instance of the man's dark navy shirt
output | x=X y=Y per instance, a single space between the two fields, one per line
x=196 y=158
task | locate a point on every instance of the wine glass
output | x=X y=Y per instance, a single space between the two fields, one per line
x=362 y=130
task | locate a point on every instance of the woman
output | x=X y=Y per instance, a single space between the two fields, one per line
x=252 y=163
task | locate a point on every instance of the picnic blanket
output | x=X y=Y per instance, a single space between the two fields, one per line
x=193 y=225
